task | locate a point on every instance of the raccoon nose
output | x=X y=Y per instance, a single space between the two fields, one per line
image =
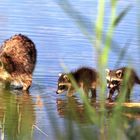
x=57 y=92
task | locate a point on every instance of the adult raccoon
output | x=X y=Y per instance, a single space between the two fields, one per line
x=17 y=61
x=116 y=80
x=85 y=78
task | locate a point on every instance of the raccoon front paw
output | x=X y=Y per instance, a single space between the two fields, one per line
x=109 y=100
x=69 y=94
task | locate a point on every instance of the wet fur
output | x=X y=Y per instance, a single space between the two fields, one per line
x=17 y=61
x=86 y=78
x=129 y=84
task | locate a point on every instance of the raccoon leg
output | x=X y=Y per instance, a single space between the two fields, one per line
x=70 y=94
x=26 y=81
x=117 y=96
x=26 y=85
x=93 y=92
x=111 y=92
x=127 y=96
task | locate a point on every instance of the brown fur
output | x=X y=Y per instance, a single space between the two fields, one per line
x=18 y=58
x=86 y=78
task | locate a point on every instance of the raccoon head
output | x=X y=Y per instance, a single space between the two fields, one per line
x=63 y=83
x=4 y=75
x=114 y=78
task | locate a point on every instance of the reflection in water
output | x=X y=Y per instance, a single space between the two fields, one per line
x=73 y=109
x=17 y=116
x=133 y=130
x=66 y=108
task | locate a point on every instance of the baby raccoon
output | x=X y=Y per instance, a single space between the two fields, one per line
x=86 y=78
x=115 y=80
x=17 y=61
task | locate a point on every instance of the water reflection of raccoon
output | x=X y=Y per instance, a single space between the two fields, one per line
x=17 y=61
x=86 y=78
x=115 y=80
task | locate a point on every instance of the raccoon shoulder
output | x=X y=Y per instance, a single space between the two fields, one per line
x=128 y=70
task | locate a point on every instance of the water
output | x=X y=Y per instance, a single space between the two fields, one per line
x=58 y=41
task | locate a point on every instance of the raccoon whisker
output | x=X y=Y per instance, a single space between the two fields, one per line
x=113 y=79
x=116 y=79
x=64 y=84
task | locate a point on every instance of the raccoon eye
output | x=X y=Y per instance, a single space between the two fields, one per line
x=62 y=87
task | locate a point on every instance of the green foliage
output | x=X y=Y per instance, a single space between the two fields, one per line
x=121 y=15
x=17 y=116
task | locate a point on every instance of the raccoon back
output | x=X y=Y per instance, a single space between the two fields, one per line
x=85 y=74
x=18 y=54
x=133 y=77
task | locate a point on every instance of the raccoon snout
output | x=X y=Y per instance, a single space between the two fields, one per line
x=58 y=91
x=108 y=85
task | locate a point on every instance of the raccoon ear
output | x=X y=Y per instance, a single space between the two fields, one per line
x=107 y=71
x=119 y=73
x=59 y=74
x=66 y=76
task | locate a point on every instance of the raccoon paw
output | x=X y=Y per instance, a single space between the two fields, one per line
x=109 y=100
x=69 y=94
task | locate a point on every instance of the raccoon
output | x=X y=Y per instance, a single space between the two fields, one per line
x=115 y=81
x=86 y=78
x=17 y=61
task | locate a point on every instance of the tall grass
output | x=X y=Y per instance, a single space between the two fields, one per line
x=16 y=116
x=103 y=123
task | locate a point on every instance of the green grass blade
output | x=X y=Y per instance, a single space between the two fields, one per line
x=123 y=52
x=119 y=18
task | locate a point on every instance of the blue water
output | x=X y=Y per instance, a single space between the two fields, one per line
x=60 y=41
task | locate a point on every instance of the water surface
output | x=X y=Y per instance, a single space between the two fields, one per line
x=58 y=40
